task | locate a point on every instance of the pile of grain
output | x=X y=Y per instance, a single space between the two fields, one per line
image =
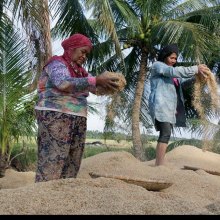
x=192 y=192
x=100 y=91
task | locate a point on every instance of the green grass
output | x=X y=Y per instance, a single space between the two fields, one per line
x=112 y=143
x=91 y=151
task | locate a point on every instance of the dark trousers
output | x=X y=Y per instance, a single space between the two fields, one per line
x=165 y=129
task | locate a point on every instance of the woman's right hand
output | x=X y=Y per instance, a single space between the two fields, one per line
x=203 y=69
x=107 y=82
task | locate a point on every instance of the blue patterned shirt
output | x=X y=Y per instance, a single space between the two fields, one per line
x=163 y=96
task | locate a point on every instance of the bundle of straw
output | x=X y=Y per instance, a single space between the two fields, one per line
x=100 y=91
x=205 y=81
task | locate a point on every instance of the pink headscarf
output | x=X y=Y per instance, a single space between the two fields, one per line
x=74 y=41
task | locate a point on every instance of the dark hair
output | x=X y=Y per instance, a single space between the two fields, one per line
x=167 y=51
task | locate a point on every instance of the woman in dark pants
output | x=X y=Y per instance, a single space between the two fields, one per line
x=166 y=101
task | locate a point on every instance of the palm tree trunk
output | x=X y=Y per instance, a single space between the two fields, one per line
x=46 y=31
x=45 y=40
x=136 y=135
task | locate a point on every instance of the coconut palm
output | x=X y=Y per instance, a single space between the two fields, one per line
x=23 y=52
x=71 y=18
x=34 y=18
x=143 y=26
x=15 y=77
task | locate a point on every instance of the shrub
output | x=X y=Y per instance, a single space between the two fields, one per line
x=23 y=158
x=150 y=153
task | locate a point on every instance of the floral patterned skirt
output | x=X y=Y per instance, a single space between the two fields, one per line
x=61 y=142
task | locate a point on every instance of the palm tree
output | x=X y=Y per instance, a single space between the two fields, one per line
x=144 y=26
x=71 y=18
x=15 y=78
x=23 y=53
x=154 y=25
x=34 y=17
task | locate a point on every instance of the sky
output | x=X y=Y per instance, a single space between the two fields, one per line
x=96 y=121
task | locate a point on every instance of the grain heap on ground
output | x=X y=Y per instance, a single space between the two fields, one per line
x=120 y=81
x=192 y=192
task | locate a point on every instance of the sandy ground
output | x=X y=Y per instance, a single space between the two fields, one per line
x=192 y=192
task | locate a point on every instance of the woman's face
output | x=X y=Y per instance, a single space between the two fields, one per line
x=79 y=55
x=171 y=60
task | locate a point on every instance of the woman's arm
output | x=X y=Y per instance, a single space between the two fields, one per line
x=160 y=68
x=61 y=79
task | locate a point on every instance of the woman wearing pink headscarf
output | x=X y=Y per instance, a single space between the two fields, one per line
x=61 y=110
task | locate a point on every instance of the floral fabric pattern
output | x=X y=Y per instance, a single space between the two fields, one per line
x=61 y=142
x=58 y=91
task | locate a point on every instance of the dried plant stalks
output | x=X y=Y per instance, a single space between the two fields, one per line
x=100 y=91
x=205 y=82
x=202 y=97
x=111 y=107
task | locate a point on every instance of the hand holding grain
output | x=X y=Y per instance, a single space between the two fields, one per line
x=203 y=70
x=109 y=83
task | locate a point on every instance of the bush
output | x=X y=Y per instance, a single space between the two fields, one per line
x=23 y=158
x=150 y=153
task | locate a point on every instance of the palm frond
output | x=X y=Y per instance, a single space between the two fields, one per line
x=14 y=81
x=71 y=19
